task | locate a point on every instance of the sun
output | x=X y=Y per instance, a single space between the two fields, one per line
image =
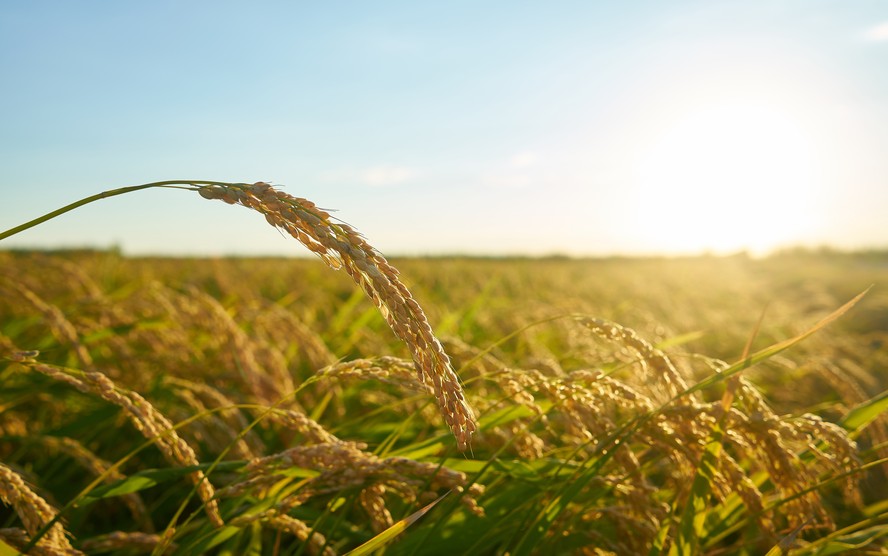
x=727 y=176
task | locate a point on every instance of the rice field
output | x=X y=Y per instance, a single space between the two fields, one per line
x=707 y=405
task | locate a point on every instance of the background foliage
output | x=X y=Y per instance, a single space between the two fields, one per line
x=586 y=444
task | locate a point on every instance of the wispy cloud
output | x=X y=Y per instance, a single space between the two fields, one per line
x=877 y=33
x=514 y=172
x=387 y=175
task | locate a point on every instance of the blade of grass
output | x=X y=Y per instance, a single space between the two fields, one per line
x=773 y=350
x=536 y=530
x=387 y=536
x=487 y=465
x=853 y=537
x=690 y=529
x=680 y=340
x=151 y=477
x=865 y=413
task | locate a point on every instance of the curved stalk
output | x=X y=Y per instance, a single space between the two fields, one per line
x=172 y=184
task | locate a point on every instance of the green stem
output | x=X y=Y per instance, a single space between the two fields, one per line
x=172 y=184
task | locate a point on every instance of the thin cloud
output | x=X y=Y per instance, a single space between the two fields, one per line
x=386 y=175
x=877 y=33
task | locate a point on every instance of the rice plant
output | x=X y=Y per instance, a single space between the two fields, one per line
x=563 y=407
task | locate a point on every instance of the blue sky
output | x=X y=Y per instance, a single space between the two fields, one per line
x=459 y=127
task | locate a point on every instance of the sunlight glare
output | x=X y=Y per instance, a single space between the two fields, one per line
x=726 y=177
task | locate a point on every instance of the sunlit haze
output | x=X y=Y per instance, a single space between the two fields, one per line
x=729 y=176
x=497 y=128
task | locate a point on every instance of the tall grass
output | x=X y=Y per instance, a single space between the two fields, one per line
x=198 y=406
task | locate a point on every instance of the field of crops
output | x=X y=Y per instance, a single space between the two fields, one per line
x=298 y=415
x=271 y=406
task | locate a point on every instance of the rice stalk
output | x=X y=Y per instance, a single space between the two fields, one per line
x=34 y=512
x=144 y=417
x=273 y=519
x=649 y=356
x=119 y=541
x=271 y=384
x=390 y=370
x=100 y=468
x=230 y=420
x=340 y=246
x=61 y=327
x=343 y=465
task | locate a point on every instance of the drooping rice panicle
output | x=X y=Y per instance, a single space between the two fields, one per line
x=372 y=500
x=391 y=370
x=144 y=417
x=340 y=246
x=346 y=465
x=296 y=527
x=663 y=368
x=34 y=512
x=606 y=460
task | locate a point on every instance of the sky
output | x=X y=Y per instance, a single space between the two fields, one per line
x=483 y=128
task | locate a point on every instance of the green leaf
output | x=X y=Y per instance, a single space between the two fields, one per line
x=6 y=550
x=861 y=416
x=536 y=532
x=853 y=542
x=691 y=528
x=419 y=450
x=537 y=471
x=149 y=478
x=773 y=350
x=254 y=543
x=121 y=487
x=680 y=340
x=503 y=416
x=210 y=537
x=217 y=537
x=786 y=542
x=109 y=332
x=389 y=534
